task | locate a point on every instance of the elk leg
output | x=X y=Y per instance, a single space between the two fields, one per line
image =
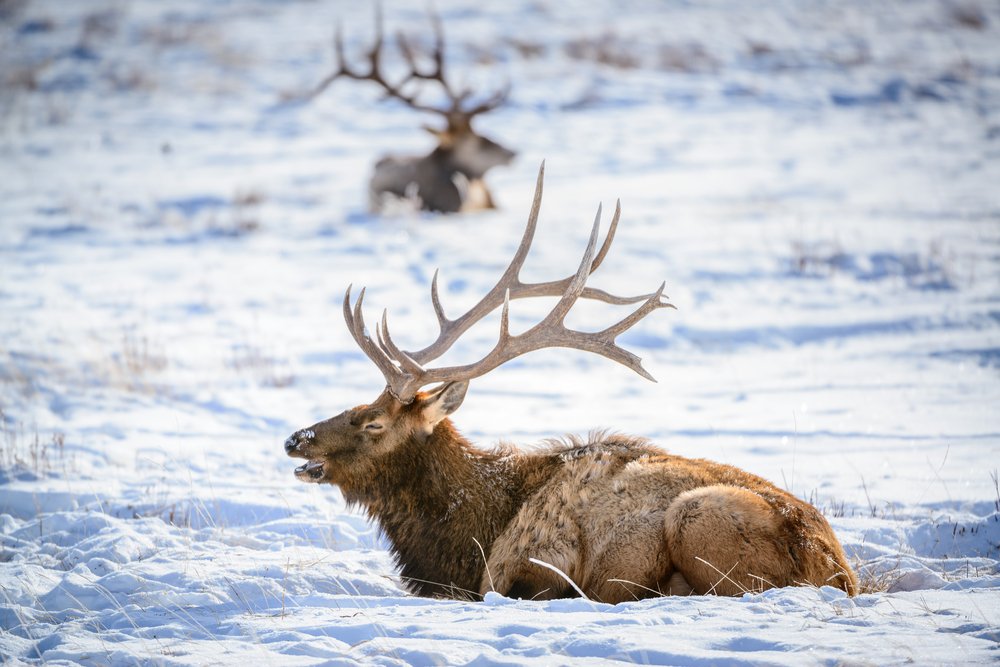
x=546 y=532
x=727 y=541
x=633 y=562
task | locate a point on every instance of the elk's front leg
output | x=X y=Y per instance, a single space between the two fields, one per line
x=545 y=529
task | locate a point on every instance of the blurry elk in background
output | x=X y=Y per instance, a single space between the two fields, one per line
x=611 y=517
x=450 y=178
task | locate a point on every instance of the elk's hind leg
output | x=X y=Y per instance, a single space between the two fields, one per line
x=628 y=559
x=727 y=541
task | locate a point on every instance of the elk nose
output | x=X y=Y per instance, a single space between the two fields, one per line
x=296 y=441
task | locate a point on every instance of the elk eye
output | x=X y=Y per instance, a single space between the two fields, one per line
x=374 y=426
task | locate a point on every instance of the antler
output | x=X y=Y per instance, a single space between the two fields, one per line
x=510 y=282
x=404 y=371
x=435 y=73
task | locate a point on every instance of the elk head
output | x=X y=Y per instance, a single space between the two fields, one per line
x=469 y=153
x=460 y=150
x=348 y=445
x=343 y=450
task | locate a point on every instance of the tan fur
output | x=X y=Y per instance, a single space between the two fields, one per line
x=477 y=197
x=623 y=519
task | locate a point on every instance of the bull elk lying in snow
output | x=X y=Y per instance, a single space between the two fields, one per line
x=622 y=518
x=451 y=177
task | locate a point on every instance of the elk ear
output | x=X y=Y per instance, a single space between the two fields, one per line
x=443 y=402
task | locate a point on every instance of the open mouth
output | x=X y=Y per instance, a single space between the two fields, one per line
x=310 y=472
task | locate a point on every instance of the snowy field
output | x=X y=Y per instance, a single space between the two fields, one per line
x=817 y=182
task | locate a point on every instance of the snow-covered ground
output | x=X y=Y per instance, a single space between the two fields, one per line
x=816 y=181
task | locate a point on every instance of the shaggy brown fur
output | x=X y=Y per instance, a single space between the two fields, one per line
x=620 y=517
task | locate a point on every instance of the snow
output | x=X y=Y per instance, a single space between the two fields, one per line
x=815 y=181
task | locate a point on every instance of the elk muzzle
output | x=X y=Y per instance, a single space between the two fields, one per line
x=310 y=472
x=298 y=446
x=298 y=441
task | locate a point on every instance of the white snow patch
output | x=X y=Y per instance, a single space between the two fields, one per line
x=815 y=181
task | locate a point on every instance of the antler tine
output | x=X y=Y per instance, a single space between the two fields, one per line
x=358 y=317
x=554 y=334
x=609 y=334
x=395 y=379
x=438 y=54
x=390 y=348
x=375 y=54
x=551 y=332
x=375 y=74
x=505 y=318
x=348 y=316
x=555 y=287
x=606 y=246
x=338 y=49
x=511 y=275
x=437 y=71
x=601 y=342
x=406 y=372
x=434 y=72
x=575 y=287
x=408 y=55
x=626 y=323
x=491 y=103
x=436 y=301
x=452 y=329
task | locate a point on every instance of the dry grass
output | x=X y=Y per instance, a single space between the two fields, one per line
x=131 y=360
x=137 y=360
x=245 y=215
x=139 y=356
x=688 y=58
x=33 y=455
x=822 y=258
x=607 y=49
x=235 y=217
x=267 y=370
x=838 y=509
x=995 y=476
x=969 y=15
x=932 y=268
x=872 y=579
x=622 y=52
x=527 y=49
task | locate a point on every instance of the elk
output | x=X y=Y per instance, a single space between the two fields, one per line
x=611 y=517
x=450 y=178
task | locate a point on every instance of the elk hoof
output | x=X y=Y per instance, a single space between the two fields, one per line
x=310 y=472
x=297 y=441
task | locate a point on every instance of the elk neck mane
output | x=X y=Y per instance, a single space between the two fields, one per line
x=434 y=497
